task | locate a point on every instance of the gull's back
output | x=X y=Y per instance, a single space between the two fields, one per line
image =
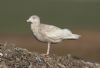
x=50 y=32
x=55 y=34
x=48 y=28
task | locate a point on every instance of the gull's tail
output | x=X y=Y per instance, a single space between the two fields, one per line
x=67 y=34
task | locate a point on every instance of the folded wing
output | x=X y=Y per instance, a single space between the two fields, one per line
x=51 y=31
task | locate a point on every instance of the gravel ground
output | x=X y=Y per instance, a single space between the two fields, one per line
x=15 y=57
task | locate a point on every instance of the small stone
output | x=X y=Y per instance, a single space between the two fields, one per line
x=1 y=54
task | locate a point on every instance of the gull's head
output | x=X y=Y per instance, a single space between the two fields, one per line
x=34 y=19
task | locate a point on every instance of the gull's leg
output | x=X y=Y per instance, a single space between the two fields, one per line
x=48 y=49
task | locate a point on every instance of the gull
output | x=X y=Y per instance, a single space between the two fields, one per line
x=49 y=33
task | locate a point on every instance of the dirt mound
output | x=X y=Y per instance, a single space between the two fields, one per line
x=14 y=57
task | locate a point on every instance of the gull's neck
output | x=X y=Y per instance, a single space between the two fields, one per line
x=35 y=26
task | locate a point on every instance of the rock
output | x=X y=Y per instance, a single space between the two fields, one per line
x=15 y=57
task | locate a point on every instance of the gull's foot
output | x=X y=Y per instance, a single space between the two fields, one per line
x=45 y=55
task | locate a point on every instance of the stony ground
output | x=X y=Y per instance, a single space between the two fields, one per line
x=14 y=57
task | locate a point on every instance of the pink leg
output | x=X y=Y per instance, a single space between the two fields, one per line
x=48 y=49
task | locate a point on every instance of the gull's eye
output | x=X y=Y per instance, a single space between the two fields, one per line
x=34 y=17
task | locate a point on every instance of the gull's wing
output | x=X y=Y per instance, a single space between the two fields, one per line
x=50 y=31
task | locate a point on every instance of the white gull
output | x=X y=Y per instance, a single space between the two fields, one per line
x=49 y=33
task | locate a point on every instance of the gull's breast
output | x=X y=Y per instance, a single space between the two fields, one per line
x=39 y=36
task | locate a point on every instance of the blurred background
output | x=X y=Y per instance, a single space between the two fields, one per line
x=80 y=16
